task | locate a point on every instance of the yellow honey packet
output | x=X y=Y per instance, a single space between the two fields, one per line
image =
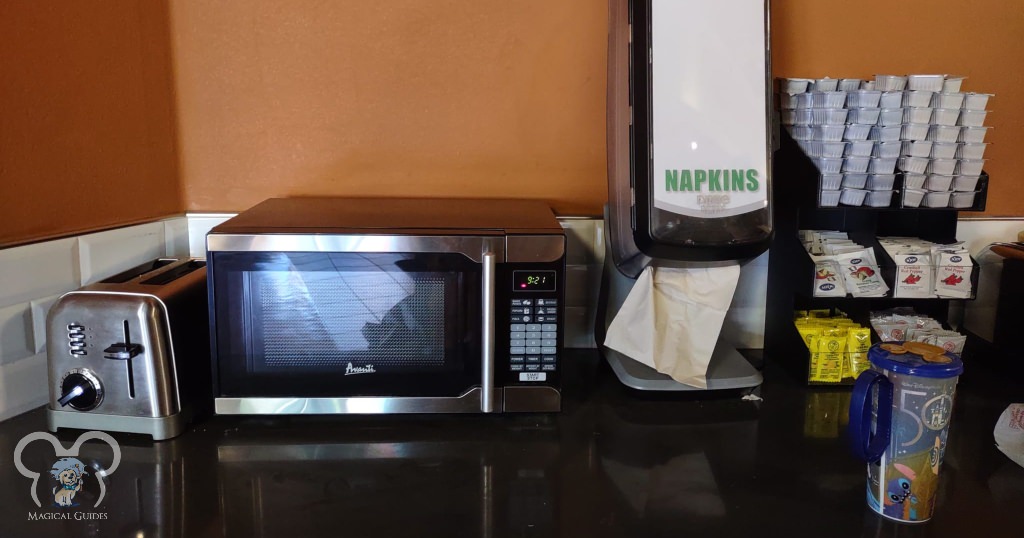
x=827 y=358
x=858 y=362
x=858 y=340
x=857 y=345
x=807 y=332
x=820 y=313
x=836 y=331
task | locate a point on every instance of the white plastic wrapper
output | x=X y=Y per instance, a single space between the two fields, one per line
x=1009 y=433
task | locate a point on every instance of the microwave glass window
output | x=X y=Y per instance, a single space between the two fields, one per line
x=318 y=319
x=533 y=280
x=356 y=324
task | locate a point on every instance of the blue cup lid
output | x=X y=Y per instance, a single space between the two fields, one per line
x=913 y=364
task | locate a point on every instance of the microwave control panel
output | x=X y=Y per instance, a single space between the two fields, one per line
x=534 y=326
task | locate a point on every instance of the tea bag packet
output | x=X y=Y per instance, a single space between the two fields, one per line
x=806 y=236
x=815 y=241
x=831 y=247
x=861 y=274
x=831 y=234
x=953 y=275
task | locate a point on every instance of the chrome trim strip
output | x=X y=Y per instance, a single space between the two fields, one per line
x=487 y=334
x=471 y=246
x=468 y=402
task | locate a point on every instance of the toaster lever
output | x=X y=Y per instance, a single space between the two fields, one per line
x=122 y=351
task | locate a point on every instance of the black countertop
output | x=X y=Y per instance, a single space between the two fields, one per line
x=613 y=463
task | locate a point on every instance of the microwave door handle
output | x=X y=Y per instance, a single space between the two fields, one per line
x=487 y=334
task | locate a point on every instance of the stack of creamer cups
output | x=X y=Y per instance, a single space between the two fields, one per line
x=858 y=133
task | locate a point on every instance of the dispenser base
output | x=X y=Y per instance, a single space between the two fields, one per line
x=727 y=370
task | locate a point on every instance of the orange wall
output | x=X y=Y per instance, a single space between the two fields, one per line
x=981 y=39
x=398 y=97
x=87 y=131
x=497 y=98
x=440 y=98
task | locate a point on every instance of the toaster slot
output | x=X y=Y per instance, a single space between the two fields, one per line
x=138 y=270
x=175 y=273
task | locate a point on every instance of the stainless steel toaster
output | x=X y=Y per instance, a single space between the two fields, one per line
x=131 y=353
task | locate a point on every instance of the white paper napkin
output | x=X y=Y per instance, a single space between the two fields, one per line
x=671 y=319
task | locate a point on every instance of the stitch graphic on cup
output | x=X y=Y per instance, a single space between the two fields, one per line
x=68 y=472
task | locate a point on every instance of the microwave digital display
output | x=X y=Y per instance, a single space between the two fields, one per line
x=533 y=280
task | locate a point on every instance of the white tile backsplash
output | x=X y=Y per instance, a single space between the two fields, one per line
x=176 y=237
x=104 y=254
x=579 y=328
x=577 y=285
x=15 y=333
x=33 y=271
x=198 y=226
x=23 y=386
x=979 y=233
x=40 y=307
x=584 y=241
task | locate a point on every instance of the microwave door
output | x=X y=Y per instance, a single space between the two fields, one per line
x=339 y=324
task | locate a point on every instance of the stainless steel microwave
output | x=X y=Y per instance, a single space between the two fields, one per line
x=359 y=305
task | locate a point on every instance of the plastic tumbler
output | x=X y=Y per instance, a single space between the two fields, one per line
x=899 y=421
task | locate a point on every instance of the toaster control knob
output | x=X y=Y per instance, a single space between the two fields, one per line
x=81 y=390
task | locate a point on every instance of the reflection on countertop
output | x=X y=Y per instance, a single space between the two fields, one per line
x=613 y=463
